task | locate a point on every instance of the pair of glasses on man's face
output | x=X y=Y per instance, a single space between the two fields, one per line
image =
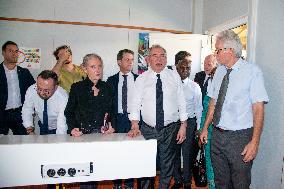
x=217 y=51
x=44 y=91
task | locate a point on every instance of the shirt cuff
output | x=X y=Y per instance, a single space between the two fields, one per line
x=183 y=117
x=134 y=116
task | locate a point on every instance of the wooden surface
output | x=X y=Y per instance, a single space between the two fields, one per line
x=102 y=185
x=92 y=24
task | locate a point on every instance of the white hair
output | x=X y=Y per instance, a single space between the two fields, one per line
x=231 y=40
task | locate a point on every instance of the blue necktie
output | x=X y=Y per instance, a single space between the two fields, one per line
x=221 y=98
x=45 y=117
x=159 y=103
x=124 y=94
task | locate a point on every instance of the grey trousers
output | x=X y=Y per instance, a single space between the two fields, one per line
x=166 y=141
x=230 y=171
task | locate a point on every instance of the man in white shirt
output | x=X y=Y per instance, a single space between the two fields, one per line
x=48 y=101
x=236 y=109
x=14 y=81
x=122 y=88
x=160 y=99
x=193 y=98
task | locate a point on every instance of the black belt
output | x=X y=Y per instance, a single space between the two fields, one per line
x=161 y=128
x=190 y=118
x=223 y=130
x=122 y=114
x=220 y=129
x=12 y=110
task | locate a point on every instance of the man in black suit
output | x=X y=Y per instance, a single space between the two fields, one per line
x=202 y=77
x=122 y=85
x=14 y=81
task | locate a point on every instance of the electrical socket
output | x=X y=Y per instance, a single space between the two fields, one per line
x=66 y=170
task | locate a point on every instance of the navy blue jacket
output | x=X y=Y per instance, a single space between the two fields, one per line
x=113 y=82
x=25 y=81
x=199 y=79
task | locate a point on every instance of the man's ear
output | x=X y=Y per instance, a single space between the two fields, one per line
x=147 y=59
x=84 y=68
x=119 y=62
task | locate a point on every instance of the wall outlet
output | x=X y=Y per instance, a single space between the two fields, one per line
x=66 y=170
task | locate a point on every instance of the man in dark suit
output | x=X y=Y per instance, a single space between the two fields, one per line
x=202 y=77
x=14 y=81
x=122 y=85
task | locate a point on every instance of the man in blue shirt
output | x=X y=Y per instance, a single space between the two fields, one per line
x=236 y=109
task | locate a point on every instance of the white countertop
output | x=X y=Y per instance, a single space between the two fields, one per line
x=40 y=139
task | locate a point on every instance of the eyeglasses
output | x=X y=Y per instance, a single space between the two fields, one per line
x=94 y=67
x=217 y=51
x=45 y=91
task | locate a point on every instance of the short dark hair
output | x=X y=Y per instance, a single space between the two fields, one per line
x=121 y=52
x=55 y=53
x=180 y=56
x=46 y=74
x=4 y=46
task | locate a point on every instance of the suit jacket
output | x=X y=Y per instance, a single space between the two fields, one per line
x=199 y=78
x=113 y=82
x=25 y=81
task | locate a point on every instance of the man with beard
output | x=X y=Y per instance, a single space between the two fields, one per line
x=68 y=73
x=48 y=101
x=14 y=82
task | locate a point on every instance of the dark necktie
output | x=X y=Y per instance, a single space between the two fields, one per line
x=124 y=94
x=204 y=90
x=159 y=103
x=221 y=98
x=45 y=117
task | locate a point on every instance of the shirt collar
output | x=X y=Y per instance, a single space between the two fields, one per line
x=185 y=80
x=154 y=73
x=7 y=70
x=121 y=74
x=237 y=65
x=91 y=84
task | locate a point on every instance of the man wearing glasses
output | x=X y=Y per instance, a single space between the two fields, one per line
x=14 y=82
x=236 y=109
x=48 y=101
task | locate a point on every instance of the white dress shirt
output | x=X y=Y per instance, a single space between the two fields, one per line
x=193 y=98
x=144 y=98
x=130 y=85
x=206 y=77
x=55 y=109
x=14 y=93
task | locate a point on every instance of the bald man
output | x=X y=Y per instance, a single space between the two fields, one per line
x=202 y=77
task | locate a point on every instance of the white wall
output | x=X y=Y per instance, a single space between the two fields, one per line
x=164 y=14
x=219 y=11
x=269 y=56
x=197 y=17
